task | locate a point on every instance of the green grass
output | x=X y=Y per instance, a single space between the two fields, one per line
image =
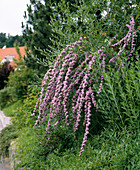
x=10 y=109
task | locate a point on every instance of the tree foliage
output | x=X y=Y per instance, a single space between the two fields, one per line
x=101 y=20
x=9 y=40
x=37 y=31
x=5 y=70
x=68 y=21
x=21 y=79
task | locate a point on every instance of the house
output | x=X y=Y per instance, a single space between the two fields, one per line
x=8 y=54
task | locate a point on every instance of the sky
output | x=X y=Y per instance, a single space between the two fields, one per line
x=11 y=16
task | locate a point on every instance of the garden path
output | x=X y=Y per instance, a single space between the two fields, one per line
x=4 y=121
x=1 y=126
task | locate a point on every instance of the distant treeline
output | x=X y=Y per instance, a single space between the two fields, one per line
x=9 y=40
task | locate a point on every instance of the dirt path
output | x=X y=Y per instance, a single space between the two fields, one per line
x=4 y=165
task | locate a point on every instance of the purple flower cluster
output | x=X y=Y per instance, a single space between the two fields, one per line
x=67 y=88
x=129 y=37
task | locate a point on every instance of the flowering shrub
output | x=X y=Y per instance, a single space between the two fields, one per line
x=68 y=89
x=20 y=80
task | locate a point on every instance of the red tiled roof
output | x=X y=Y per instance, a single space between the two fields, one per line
x=11 y=52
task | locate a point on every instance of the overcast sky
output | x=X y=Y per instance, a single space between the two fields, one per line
x=11 y=16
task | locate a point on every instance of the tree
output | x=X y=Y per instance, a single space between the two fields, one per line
x=9 y=40
x=39 y=27
x=2 y=39
x=5 y=70
x=12 y=39
x=37 y=31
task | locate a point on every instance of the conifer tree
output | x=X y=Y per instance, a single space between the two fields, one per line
x=37 y=31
